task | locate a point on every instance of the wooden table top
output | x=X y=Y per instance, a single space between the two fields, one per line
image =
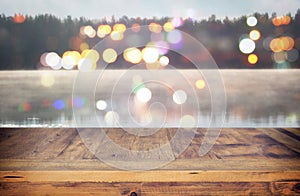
x=251 y=161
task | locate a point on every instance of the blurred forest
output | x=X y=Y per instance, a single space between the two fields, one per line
x=24 y=39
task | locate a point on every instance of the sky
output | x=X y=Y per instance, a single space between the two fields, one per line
x=198 y=9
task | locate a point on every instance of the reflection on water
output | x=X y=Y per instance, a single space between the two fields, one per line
x=261 y=98
x=204 y=121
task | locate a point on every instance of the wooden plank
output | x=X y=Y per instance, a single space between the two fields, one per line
x=125 y=146
x=70 y=188
x=295 y=131
x=283 y=139
x=286 y=188
x=148 y=176
x=44 y=144
x=150 y=188
x=249 y=163
x=62 y=149
x=179 y=164
x=56 y=161
x=206 y=188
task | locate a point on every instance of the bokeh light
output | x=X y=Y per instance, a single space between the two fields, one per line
x=168 y=26
x=281 y=20
x=133 y=55
x=116 y=35
x=154 y=27
x=143 y=95
x=93 y=55
x=89 y=31
x=150 y=54
x=24 y=107
x=111 y=118
x=282 y=44
x=174 y=36
x=18 y=18
x=162 y=47
x=136 y=27
x=164 y=61
x=287 y=43
x=101 y=105
x=291 y=118
x=251 y=21
x=81 y=31
x=53 y=60
x=176 y=22
x=59 y=104
x=187 y=122
x=276 y=21
x=179 y=97
x=252 y=59
x=119 y=28
x=103 y=30
x=70 y=59
x=43 y=59
x=200 y=84
x=47 y=80
x=275 y=45
x=86 y=64
x=246 y=46
x=109 y=55
x=78 y=102
x=254 y=35
x=75 y=55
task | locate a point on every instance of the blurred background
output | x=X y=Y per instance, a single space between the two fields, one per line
x=239 y=35
x=43 y=44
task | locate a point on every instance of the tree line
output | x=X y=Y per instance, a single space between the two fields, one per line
x=22 y=44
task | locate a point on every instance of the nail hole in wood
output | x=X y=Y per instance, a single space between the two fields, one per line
x=133 y=194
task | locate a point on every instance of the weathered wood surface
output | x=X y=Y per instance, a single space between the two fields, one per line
x=235 y=149
x=70 y=188
x=145 y=189
x=150 y=188
x=242 y=162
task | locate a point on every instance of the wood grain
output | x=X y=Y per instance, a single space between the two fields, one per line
x=282 y=138
x=286 y=188
x=150 y=188
x=242 y=162
x=148 y=176
x=70 y=188
x=206 y=188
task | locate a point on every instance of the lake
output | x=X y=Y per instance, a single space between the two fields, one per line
x=150 y=98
